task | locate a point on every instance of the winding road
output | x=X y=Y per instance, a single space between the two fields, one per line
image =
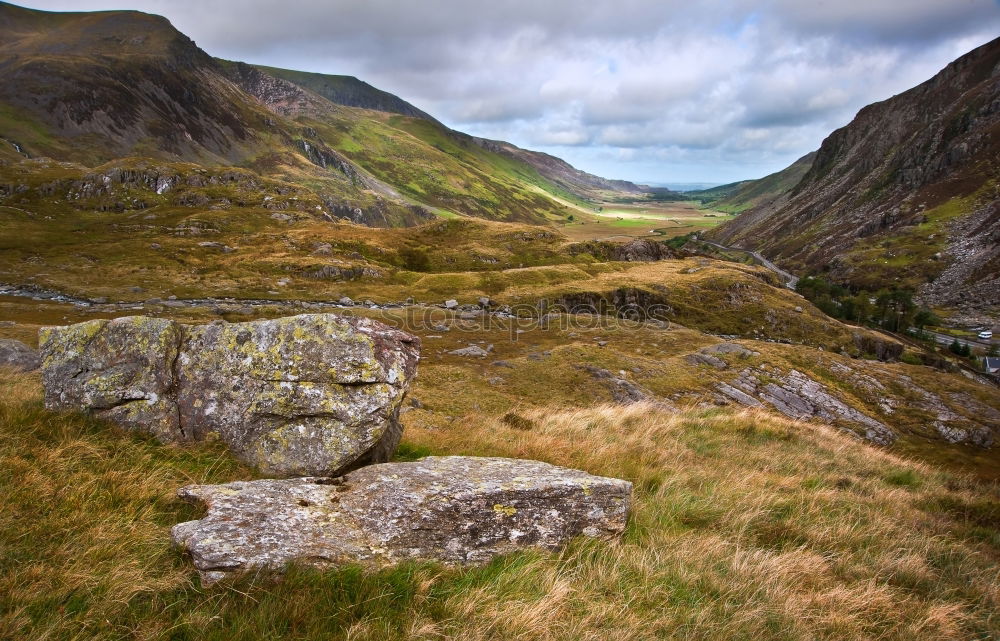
x=946 y=339
x=791 y=280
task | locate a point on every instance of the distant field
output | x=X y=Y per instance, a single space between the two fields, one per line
x=623 y=221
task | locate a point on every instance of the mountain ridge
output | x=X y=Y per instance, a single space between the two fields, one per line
x=91 y=87
x=885 y=197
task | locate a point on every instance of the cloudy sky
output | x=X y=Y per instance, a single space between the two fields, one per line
x=649 y=90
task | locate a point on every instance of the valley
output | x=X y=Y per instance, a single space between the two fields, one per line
x=625 y=220
x=764 y=370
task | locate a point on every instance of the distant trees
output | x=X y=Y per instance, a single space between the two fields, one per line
x=890 y=309
x=959 y=348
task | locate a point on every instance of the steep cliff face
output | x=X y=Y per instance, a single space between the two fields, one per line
x=904 y=194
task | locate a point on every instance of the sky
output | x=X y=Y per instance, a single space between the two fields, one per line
x=654 y=91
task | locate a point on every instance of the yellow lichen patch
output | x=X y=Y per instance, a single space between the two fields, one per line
x=505 y=510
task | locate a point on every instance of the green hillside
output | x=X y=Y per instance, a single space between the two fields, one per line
x=740 y=196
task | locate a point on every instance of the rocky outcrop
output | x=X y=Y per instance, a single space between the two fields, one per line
x=18 y=356
x=799 y=397
x=709 y=355
x=309 y=394
x=884 y=349
x=459 y=510
x=348 y=91
x=624 y=391
x=637 y=250
x=280 y=96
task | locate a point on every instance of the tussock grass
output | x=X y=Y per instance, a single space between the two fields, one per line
x=745 y=526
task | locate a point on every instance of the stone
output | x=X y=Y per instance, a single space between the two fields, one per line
x=309 y=394
x=706 y=359
x=625 y=392
x=729 y=348
x=346 y=300
x=739 y=396
x=18 y=356
x=451 y=303
x=471 y=350
x=642 y=249
x=121 y=370
x=456 y=509
x=799 y=397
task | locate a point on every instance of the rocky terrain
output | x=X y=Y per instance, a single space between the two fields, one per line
x=905 y=195
x=316 y=395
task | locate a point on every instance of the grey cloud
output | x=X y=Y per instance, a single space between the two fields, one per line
x=705 y=90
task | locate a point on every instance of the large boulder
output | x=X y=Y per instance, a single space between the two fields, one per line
x=121 y=370
x=311 y=394
x=455 y=509
x=17 y=355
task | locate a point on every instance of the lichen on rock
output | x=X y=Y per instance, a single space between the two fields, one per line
x=454 y=509
x=308 y=394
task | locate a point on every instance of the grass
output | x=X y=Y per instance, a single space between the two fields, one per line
x=908 y=257
x=736 y=198
x=745 y=526
x=622 y=221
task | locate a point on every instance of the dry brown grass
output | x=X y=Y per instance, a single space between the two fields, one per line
x=744 y=526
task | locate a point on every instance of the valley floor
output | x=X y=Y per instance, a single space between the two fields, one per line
x=623 y=221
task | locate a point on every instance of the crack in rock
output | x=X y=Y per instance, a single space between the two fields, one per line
x=454 y=509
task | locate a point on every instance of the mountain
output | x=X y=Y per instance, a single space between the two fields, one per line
x=562 y=173
x=904 y=196
x=348 y=91
x=102 y=87
x=740 y=196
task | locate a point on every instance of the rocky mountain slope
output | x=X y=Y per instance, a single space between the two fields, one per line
x=907 y=195
x=94 y=88
x=348 y=91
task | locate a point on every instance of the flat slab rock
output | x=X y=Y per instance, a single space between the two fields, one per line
x=308 y=394
x=454 y=509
